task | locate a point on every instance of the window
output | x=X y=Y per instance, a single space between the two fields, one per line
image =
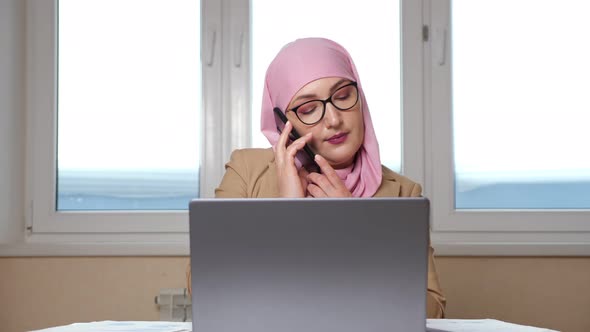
x=128 y=103
x=127 y=122
x=507 y=110
x=520 y=110
x=110 y=109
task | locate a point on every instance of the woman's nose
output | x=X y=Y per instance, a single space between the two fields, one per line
x=333 y=117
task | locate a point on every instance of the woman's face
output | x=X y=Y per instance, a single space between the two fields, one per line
x=339 y=134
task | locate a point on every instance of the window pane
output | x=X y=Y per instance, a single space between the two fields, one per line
x=354 y=26
x=128 y=102
x=520 y=103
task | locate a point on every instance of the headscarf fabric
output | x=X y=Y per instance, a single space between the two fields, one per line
x=306 y=60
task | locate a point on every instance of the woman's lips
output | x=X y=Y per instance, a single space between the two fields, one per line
x=338 y=138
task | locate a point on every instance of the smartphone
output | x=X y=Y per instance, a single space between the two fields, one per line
x=308 y=158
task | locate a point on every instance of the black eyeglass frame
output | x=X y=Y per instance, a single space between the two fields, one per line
x=325 y=102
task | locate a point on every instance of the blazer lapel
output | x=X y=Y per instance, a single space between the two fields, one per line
x=389 y=186
x=269 y=186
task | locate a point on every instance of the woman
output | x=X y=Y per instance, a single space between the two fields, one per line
x=315 y=84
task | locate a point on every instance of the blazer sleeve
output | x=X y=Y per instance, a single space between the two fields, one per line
x=233 y=184
x=435 y=300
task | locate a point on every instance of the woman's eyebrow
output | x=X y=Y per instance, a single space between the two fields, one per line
x=332 y=89
x=312 y=95
x=338 y=85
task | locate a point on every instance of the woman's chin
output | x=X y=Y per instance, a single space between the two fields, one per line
x=339 y=163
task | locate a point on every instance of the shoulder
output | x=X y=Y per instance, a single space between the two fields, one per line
x=248 y=173
x=395 y=184
x=252 y=164
x=252 y=157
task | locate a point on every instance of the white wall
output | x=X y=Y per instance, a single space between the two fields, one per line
x=12 y=118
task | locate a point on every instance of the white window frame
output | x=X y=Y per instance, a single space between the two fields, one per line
x=479 y=232
x=225 y=67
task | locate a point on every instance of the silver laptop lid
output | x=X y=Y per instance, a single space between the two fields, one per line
x=270 y=265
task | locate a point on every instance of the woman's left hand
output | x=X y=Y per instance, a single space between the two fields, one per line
x=327 y=184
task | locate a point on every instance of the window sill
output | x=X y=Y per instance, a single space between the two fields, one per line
x=444 y=243
x=99 y=245
x=511 y=243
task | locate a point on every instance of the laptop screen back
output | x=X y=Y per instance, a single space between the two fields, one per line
x=269 y=265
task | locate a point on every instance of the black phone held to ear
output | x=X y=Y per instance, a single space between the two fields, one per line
x=294 y=135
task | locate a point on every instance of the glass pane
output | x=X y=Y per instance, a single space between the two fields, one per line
x=128 y=104
x=354 y=26
x=520 y=103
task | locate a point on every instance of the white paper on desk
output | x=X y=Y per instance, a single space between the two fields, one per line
x=112 y=326
x=477 y=325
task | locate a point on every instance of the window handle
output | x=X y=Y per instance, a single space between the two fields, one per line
x=239 y=45
x=212 y=41
x=441 y=46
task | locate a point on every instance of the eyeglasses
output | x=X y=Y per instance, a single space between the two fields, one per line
x=313 y=111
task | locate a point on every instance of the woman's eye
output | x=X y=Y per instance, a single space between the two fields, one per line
x=342 y=96
x=306 y=109
x=343 y=93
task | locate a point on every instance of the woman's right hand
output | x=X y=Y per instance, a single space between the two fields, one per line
x=292 y=182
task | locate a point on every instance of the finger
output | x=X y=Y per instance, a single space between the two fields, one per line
x=303 y=177
x=284 y=157
x=298 y=144
x=321 y=181
x=316 y=191
x=328 y=171
x=284 y=137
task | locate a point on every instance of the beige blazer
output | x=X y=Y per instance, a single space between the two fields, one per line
x=251 y=173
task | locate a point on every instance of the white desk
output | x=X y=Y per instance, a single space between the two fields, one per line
x=433 y=325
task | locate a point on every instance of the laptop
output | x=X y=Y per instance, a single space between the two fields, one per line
x=309 y=265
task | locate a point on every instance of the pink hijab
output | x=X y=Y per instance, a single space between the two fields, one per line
x=306 y=60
